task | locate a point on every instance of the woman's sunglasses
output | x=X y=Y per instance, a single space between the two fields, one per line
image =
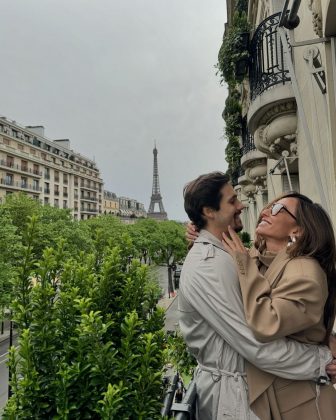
x=277 y=207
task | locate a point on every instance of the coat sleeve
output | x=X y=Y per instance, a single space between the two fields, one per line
x=293 y=305
x=215 y=294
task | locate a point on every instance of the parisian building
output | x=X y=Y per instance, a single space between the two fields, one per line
x=286 y=81
x=130 y=210
x=111 y=203
x=48 y=170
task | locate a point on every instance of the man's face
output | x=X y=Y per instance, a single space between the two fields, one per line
x=229 y=210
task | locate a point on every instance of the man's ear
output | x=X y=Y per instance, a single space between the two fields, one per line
x=208 y=212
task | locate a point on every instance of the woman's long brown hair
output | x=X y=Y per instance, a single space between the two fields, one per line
x=317 y=241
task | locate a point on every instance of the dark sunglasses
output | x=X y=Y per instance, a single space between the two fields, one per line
x=277 y=207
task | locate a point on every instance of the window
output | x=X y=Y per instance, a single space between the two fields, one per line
x=46 y=188
x=46 y=200
x=56 y=202
x=65 y=178
x=46 y=173
x=56 y=176
x=65 y=191
x=65 y=204
x=35 y=184
x=10 y=161
x=36 y=169
x=24 y=182
x=9 y=179
x=24 y=165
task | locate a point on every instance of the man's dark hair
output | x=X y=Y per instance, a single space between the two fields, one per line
x=204 y=191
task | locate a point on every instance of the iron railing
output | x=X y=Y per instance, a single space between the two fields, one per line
x=247 y=138
x=267 y=63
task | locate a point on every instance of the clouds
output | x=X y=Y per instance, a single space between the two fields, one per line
x=113 y=75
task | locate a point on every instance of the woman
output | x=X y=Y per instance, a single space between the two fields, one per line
x=288 y=284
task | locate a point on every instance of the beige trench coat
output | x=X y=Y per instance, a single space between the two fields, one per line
x=213 y=324
x=286 y=300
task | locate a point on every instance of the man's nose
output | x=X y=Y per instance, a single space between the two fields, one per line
x=241 y=206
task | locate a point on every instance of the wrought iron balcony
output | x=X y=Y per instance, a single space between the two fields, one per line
x=235 y=175
x=267 y=64
x=247 y=139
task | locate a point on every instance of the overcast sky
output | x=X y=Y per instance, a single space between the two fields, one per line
x=115 y=75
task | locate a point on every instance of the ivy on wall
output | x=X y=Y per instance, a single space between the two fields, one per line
x=234 y=50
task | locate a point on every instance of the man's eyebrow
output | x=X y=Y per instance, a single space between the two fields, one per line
x=233 y=196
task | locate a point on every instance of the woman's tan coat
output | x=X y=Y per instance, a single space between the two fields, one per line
x=285 y=297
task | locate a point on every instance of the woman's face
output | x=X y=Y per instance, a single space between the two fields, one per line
x=278 y=222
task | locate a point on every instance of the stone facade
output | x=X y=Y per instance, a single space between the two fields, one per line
x=289 y=105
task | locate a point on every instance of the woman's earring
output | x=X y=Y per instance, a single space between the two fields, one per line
x=291 y=241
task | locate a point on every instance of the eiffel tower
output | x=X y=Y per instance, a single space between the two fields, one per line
x=156 y=197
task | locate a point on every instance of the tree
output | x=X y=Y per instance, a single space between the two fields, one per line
x=10 y=251
x=141 y=234
x=169 y=246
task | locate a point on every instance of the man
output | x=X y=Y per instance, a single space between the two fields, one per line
x=212 y=318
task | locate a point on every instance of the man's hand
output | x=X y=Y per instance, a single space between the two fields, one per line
x=331 y=371
x=233 y=243
x=331 y=368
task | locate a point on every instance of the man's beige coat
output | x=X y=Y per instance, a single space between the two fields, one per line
x=284 y=297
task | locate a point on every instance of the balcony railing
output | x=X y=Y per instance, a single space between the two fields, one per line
x=19 y=168
x=20 y=185
x=247 y=139
x=267 y=64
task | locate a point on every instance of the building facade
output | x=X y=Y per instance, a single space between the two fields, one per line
x=48 y=170
x=287 y=96
x=111 y=203
x=130 y=210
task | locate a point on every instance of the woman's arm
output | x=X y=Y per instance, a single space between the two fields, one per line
x=295 y=304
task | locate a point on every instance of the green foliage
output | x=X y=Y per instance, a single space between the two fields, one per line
x=246 y=239
x=233 y=48
x=233 y=155
x=91 y=343
x=10 y=254
x=241 y=5
x=232 y=51
x=168 y=243
x=179 y=356
x=141 y=234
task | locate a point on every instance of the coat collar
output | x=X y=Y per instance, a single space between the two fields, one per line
x=206 y=237
x=276 y=267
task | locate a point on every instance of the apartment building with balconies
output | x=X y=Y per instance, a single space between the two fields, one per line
x=287 y=91
x=48 y=170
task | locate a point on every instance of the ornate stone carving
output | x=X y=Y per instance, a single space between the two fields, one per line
x=278 y=135
x=247 y=186
x=278 y=109
x=315 y=7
